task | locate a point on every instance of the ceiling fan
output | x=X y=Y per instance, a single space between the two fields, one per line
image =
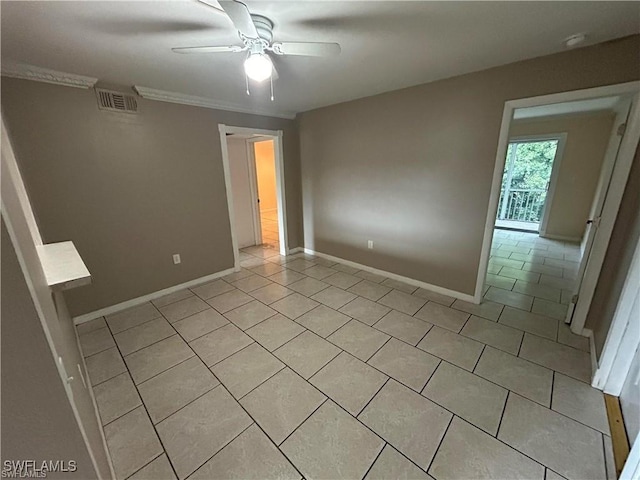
x=256 y=34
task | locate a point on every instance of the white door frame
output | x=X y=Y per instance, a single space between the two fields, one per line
x=503 y=142
x=276 y=136
x=253 y=186
x=623 y=337
x=619 y=349
x=631 y=469
x=555 y=170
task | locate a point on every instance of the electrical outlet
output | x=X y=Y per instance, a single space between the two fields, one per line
x=176 y=258
x=370 y=244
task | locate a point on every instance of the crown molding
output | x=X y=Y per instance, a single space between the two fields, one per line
x=46 y=75
x=173 y=97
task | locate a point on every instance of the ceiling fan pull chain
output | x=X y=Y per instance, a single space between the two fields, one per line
x=271 y=88
x=247 y=80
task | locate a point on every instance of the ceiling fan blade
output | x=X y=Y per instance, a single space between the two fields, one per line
x=311 y=49
x=240 y=16
x=208 y=4
x=212 y=49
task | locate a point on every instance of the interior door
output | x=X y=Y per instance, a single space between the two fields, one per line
x=598 y=203
x=241 y=192
x=255 y=194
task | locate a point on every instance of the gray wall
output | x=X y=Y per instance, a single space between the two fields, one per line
x=132 y=190
x=37 y=420
x=412 y=169
x=617 y=261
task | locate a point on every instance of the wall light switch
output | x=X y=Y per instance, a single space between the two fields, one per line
x=176 y=258
x=370 y=244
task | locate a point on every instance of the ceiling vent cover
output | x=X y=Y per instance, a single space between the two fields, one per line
x=116 y=101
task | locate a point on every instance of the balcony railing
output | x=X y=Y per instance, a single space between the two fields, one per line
x=522 y=205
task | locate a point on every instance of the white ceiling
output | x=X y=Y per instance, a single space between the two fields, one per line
x=567 y=108
x=386 y=45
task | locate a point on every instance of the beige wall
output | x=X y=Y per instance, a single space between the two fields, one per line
x=23 y=342
x=37 y=420
x=266 y=174
x=587 y=139
x=412 y=169
x=130 y=191
x=624 y=238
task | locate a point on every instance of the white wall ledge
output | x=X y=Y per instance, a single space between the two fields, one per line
x=62 y=265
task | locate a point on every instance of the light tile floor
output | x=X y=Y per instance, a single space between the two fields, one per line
x=300 y=367
x=269 y=222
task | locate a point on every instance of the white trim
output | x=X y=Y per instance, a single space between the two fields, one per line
x=631 y=469
x=293 y=251
x=147 y=298
x=184 y=99
x=46 y=75
x=605 y=91
x=503 y=140
x=587 y=332
x=494 y=199
x=281 y=194
x=394 y=276
x=63 y=266
x=84 y=375
x=253 y=190
x=623 y=336
x=276 y=136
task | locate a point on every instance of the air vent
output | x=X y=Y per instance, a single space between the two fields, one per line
x=116 y=101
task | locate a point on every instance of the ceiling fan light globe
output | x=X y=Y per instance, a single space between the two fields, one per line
x=258 y=67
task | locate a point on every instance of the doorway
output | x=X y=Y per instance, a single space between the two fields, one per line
x=563 y=261
x=265 y=168
x=530 y=171
x=254 y=178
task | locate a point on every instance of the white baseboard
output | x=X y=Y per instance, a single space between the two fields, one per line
x=146 y=298
x=296 y=250
x=561 y=238
x=427 y=286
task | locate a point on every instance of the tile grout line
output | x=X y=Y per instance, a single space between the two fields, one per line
x=504 y=409
x=242 y=407
x=148 y=415
x=151 y=461
x=220 y=384
x=221 y=448
x=327 y=397
x=435 y=452
x=376 y=459
x=484 y=346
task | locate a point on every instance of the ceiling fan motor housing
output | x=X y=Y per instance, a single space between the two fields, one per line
x=264 y=26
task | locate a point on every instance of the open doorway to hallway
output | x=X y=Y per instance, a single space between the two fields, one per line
x=556 y=171
x=265 y=167
x=556 y=174
x=254 y=177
